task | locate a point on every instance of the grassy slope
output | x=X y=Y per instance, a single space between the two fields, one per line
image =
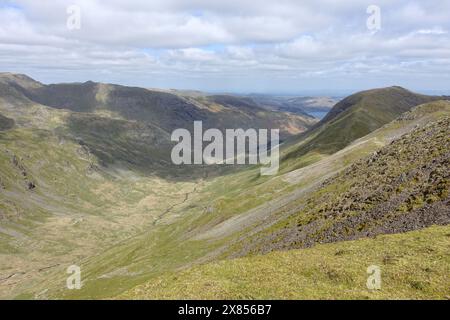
x=73 y=213
x=402 y=187
x=178 y=242
x=419 y=117
x=234 y=195
x=350 y=119
x=414 y=265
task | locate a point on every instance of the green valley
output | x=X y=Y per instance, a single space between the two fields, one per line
x=86 y=179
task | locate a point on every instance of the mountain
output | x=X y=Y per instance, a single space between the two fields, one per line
x=401 y=187
x=241 y=214
x=165 y=110
x=383 y=105
x=362 y=215
x=354 y=117
x=21 y=82
x=131 y=126
x=85 y=181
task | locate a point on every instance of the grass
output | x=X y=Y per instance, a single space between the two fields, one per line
x=414 y=265
x=148 y=256
x=116 y=244
x=71 y=215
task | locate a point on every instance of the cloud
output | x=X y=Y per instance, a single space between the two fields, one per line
x=437 y=31
x=229 y=45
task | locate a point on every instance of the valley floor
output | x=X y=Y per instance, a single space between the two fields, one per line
x=35 y=256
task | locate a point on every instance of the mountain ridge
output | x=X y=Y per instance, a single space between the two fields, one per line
x=167 y=110
x=353 y=117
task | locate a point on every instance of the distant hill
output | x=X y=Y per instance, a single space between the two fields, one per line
x=300 y=105
x=354 y=117
x=382 y=105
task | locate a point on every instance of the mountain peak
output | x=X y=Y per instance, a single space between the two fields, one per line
x=399 y=87
x=19 y=79
x=356 y=116
x=387 y=100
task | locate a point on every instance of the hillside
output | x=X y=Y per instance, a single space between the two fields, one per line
x=164 y=110
x=92 y=187
x=401 y=187
x=131 y=127
x=222 y=218
x=413 y=265
x=353 y=118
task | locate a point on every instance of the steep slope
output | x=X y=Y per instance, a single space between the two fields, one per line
x=352 y=118
x=250 y=204
x=403 y=186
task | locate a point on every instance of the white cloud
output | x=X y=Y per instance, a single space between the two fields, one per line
x=436 y=31
x=228 y=44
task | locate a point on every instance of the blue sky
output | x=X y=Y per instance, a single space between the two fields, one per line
x=285 y=46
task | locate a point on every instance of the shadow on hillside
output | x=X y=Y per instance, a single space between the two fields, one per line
x=126 y=145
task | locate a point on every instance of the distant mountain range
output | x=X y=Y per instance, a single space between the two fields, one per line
x=165 y=110
x=132 y=125
x=316 y=106
x=301 y=105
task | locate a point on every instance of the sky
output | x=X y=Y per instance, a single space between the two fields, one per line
x=318 y=47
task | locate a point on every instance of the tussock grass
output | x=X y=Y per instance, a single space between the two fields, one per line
x=414 y=265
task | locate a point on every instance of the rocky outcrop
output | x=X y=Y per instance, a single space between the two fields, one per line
x=30 y=184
